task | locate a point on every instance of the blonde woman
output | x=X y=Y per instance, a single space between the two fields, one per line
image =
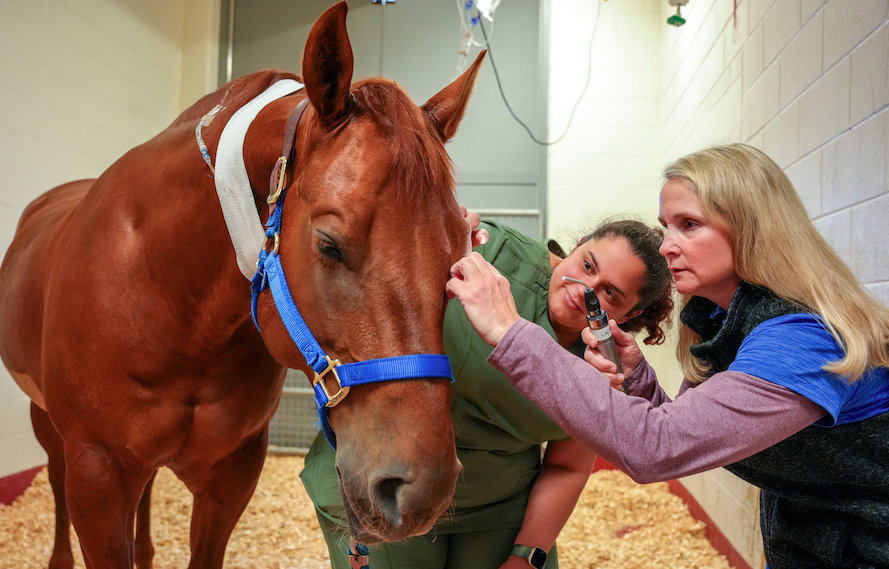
x=784 y=353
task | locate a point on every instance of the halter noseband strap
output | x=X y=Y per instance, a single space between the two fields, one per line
x=269 y=273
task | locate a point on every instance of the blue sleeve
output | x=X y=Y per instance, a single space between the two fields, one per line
x=792 y=351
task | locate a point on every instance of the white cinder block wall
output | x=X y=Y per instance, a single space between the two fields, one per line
x=807 y=81
x=609 y=162
x=82 y=82
x=611 y=157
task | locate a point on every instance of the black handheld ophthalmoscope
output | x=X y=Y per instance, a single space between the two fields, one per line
x=597 y=320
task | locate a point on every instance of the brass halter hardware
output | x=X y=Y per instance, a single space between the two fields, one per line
x=341 y=393
x=281 y=168
x=265 y=243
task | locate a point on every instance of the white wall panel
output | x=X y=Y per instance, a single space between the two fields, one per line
x=800 y=64
x=805 y=174
x=82 y=82
x=870 y=75
x=824 y=108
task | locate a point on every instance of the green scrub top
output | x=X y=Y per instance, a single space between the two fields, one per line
x=498 y=430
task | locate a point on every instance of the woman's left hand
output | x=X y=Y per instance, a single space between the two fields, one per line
x=627 y=350
x=600 y=362
x=485 y=295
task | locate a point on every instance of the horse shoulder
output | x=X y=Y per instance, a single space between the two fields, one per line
x=26 y=268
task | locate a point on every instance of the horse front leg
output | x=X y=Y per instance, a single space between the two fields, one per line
x=52 y=443
x=144 y=547
x=102 y=500
x=220 y=504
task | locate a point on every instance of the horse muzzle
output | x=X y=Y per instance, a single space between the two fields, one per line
x=396 y=502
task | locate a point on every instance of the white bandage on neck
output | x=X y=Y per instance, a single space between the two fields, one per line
x=233 y=185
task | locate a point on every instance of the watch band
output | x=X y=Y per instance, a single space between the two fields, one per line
x=536 y=557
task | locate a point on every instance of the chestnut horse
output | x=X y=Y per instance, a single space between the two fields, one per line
x=125 y=316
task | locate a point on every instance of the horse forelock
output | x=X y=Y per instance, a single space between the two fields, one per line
x=421 y=168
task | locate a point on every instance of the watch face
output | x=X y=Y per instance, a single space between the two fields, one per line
x=538 y=558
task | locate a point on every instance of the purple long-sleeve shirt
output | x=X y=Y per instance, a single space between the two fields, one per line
x=730 y=416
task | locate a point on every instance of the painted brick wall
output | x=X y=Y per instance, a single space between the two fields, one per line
x=807 y=81
x=611 y=157
x=609 y=162
x=81 y=82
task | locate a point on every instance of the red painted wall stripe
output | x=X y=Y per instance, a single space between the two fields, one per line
x=11 y=487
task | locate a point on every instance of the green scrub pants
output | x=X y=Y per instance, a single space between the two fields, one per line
x=470 y=550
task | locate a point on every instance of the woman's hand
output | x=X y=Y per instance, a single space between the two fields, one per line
x=563 y=474
x=476 y=236
x=627 y=350
x=485 y=295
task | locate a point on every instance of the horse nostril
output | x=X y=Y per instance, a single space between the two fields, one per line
x=386 y=497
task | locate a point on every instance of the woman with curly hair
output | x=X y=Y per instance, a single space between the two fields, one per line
x=512 y=501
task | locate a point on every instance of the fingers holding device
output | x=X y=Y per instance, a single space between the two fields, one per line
x=597 y=319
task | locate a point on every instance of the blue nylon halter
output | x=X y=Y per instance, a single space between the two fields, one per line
x=269 y=273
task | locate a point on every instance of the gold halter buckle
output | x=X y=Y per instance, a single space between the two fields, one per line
x=265 y=243
x=332 y=400
x=281 y=166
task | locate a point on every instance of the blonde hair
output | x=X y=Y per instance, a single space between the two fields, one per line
x=775 y=245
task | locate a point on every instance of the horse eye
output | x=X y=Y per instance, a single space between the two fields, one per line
x=330 y=250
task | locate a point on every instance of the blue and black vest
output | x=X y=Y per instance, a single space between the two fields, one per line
x=825 y=491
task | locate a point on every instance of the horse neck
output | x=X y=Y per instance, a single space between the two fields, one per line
x=179 y=191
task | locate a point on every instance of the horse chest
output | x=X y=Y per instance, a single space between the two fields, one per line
x=200 y=421
x=225 y=423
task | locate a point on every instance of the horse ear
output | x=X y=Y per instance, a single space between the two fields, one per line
x=327 y=65
x=446 y=109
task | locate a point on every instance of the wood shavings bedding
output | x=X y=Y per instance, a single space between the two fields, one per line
x=617 y=524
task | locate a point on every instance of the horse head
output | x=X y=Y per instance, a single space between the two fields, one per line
x=370 y=231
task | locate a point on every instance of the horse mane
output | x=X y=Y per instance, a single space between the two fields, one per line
x=420 y=164
x=421 y=168
x=233 y=95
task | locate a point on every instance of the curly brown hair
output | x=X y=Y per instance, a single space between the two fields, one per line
x=656 y=296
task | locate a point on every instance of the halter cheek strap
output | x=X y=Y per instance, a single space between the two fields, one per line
x=332 y=378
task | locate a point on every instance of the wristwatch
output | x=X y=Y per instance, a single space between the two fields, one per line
x=536 y=557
